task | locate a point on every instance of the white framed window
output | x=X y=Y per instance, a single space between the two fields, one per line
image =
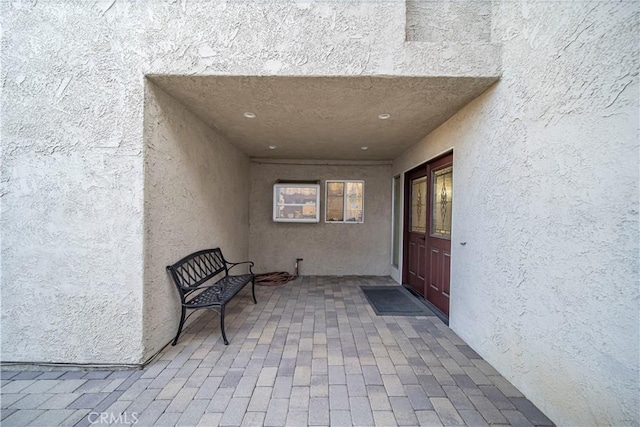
x=294 y=202
x=344 y=201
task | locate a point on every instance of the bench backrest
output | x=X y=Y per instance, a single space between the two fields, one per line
x=195 y=269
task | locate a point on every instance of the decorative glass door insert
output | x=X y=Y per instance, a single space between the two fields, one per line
x=419 y=205
x=441 y=203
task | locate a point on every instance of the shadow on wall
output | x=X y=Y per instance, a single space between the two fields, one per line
x=189 y=170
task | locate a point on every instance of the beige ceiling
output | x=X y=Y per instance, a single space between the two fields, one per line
x=323 y=118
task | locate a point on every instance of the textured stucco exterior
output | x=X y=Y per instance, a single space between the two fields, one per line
x=466 y=21
x=327 y=248
x=546 y=199
x=546 y=174
x=196 y=197
x=72 y=186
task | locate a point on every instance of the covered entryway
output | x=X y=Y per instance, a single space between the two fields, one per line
x=427 y=237
x=215 y=145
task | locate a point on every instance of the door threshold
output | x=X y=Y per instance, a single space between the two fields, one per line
x=428 y=304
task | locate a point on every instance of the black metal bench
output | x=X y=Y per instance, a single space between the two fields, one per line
x=191 y=274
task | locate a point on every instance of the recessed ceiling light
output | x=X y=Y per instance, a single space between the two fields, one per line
x=249 y=115
x=384 y=116
x=364 y=148
x=272 y=147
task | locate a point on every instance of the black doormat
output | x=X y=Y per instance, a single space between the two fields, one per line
x=394 y=301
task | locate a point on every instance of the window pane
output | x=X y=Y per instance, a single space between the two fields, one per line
x=353 y=200
x=295 y=202
x=441 y=202
x=418 y=205
x=335 y=199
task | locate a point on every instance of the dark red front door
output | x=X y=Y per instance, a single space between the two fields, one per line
x=440 y=174
x=427 y=237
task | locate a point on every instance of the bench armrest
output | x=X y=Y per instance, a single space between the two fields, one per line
x=233 y=264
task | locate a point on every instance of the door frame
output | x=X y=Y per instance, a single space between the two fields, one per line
x=406 y=205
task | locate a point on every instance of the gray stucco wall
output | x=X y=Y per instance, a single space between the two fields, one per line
x=546 y=196
x=196 y=197
x=327 y=249
x=72 y=186
x=444 y=21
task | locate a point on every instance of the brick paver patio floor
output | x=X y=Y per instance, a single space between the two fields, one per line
x=311 y=352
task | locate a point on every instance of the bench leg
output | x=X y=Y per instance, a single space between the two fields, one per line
x=253 y=289
x=180 y=327
x=224 y=336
